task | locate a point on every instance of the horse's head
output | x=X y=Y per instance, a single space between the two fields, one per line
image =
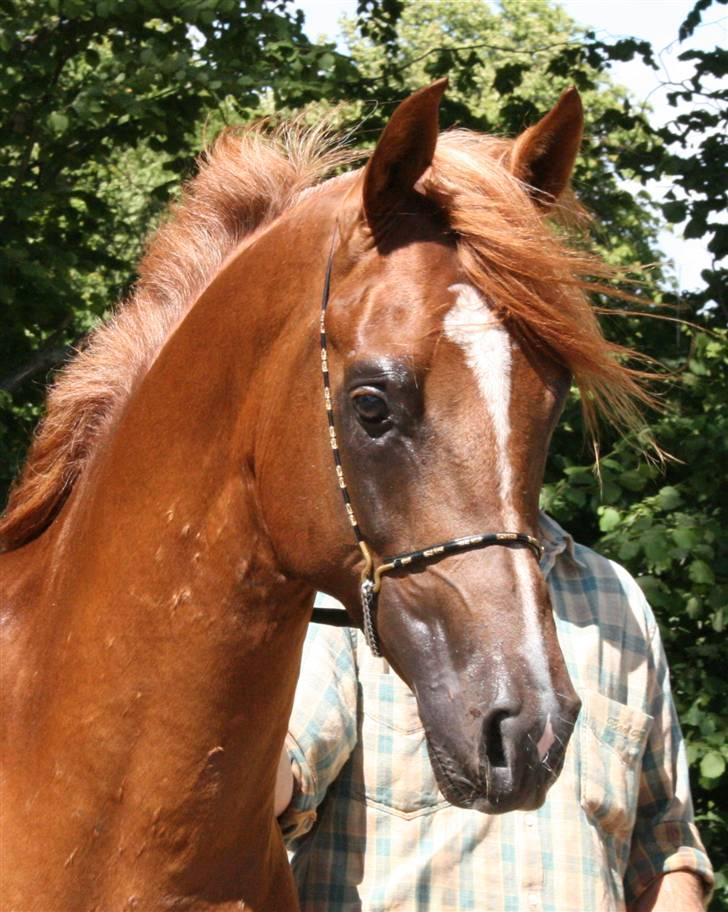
x=444 y=407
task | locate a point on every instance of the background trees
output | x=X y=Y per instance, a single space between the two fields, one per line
x=104 y=104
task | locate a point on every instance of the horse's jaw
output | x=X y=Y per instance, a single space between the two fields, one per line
x=494 y=697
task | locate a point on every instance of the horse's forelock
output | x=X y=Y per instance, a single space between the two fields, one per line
x=521 y=262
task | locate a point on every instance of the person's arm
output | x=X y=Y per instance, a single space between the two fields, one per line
x=679 y=891
x=668 y=869
x=322 y=730
x=284 y=783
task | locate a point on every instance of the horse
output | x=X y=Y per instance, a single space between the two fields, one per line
x=179 y=507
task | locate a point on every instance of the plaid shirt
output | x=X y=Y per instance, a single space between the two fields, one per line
x=382 y=837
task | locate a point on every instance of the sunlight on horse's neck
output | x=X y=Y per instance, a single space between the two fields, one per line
x=160 y=643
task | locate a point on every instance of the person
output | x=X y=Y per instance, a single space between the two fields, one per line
x=368 y=829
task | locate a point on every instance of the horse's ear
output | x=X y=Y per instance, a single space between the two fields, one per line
x=403 y=153
x=543 y=156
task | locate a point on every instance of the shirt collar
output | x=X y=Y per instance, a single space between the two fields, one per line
x=556 y=542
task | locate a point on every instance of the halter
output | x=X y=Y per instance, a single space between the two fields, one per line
x=371 y=577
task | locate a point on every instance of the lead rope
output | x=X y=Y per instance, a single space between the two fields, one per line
x=371 y=577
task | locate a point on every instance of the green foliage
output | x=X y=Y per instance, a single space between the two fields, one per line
x=506 y=66
x=698 y=163
x=102 y=106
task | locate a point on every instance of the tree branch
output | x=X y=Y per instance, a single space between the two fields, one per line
x=41 y=362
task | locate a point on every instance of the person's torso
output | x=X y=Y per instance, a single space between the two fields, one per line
x=386 y=839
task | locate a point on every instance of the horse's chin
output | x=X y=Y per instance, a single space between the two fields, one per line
x=495 y=791
x=500 y=804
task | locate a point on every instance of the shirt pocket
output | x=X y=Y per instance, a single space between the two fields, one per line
x=612 y=740
x=396 y=774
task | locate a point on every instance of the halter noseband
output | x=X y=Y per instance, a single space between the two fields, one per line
x=371 y=577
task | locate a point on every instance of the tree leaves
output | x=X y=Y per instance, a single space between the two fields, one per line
x=712 y=766
x=103 y=108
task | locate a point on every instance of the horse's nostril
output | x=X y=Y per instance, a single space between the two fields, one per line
x=493 y=736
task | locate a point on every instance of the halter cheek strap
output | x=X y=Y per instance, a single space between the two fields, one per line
x=371 y=577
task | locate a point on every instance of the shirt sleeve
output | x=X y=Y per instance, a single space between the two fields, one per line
x=665 y=838
x=323 y=727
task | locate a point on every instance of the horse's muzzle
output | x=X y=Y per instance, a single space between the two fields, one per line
x=517 y=759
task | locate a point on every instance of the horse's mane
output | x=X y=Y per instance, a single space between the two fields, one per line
x=244 y=181
x=250 y=177
x=540 y=283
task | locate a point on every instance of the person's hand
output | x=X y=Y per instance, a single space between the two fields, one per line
x=284 y=784
x=679 y=891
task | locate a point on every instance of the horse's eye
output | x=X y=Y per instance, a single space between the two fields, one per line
x=371 y=408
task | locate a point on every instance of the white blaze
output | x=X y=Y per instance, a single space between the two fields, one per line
x=487 y=346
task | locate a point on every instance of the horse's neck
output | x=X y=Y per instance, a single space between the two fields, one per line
x=166 y=645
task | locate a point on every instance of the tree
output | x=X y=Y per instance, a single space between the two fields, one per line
x=103 y=107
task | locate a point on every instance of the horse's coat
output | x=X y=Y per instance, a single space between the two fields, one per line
x=179 y=507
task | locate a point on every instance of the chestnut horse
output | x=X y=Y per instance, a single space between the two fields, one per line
x=180 y=506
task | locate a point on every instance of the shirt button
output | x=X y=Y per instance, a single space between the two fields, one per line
x=530 y=821
x=533 y=900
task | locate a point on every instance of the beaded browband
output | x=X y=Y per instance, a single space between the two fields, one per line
x=371 y=577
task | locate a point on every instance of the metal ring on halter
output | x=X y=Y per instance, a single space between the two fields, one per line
x=368 y=562
x=371 y=577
